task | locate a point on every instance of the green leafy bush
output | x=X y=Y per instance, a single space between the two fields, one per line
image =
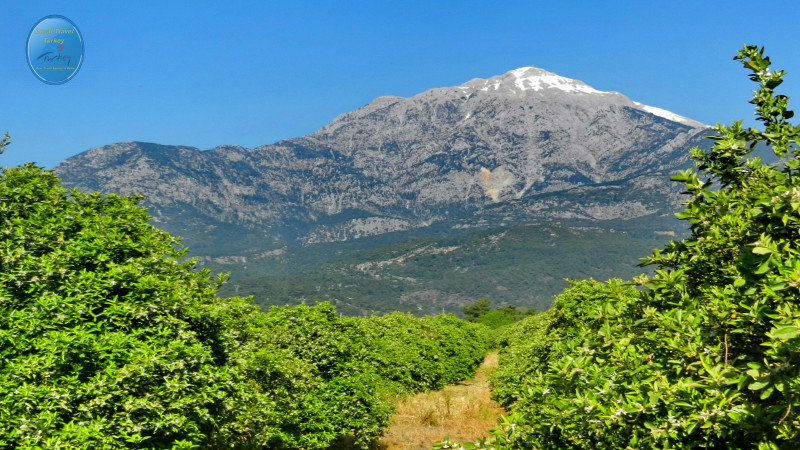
x=708 y=355
x=338 y=393
x=476 y=309
x=109 y=340
x=104 y=336
x=463 y=345
x=337 y=374
x=418 y=354
x=529 y=347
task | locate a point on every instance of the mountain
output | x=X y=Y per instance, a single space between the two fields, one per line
x=524 y=146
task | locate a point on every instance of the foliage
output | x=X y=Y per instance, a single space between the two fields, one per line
x=504 y=316
x=538 y=341
x=422 y=354
x=109 y=340
x=103 y=332
x=310 y=355
x=4 y=142
x=708 y=355
x=477 y=309
x=480 y=311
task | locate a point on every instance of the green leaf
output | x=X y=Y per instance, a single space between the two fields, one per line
x=760 y=383
x=785 y=332
x=766 y=393
x=762 y=268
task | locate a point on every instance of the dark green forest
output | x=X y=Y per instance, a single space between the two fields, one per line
x=522 y=265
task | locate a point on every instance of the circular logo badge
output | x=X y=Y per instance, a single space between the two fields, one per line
x=55 y=49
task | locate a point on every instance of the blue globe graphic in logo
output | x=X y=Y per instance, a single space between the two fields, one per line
x=54 y=49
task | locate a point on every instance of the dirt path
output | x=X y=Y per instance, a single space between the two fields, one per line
x=463 y=411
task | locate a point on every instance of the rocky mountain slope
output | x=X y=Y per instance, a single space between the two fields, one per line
x=524 y=146
x=401 y=163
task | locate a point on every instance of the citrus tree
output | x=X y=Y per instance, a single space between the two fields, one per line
x=707 y=353
x=109 y=338
x=105 y=338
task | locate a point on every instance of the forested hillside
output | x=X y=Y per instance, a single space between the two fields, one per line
x=523 y=265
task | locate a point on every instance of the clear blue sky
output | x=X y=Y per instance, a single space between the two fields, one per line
x=251 y=73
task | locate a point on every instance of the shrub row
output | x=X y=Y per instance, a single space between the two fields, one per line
x=707 y=354
x=109 y=339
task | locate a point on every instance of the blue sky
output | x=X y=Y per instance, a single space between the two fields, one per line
x=205 y=74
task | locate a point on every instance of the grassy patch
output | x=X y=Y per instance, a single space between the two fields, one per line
x=463 y=411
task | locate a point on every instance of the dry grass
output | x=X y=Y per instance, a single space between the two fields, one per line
x=463 y=411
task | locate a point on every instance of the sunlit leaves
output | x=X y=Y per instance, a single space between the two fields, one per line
x=708 y=355
x=109 y=339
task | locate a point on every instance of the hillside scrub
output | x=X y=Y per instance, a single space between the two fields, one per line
x=707 y=353
x=110 y=339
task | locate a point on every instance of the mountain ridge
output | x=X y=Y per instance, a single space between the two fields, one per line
x=399 y=163
x=522 y=147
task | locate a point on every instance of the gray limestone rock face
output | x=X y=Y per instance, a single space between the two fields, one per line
x=528 y=142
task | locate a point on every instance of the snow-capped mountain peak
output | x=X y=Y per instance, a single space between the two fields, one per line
x=532 y=78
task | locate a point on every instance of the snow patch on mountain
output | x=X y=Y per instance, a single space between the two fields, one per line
x=531 y=78
x=534 y=79
x=669 y=115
